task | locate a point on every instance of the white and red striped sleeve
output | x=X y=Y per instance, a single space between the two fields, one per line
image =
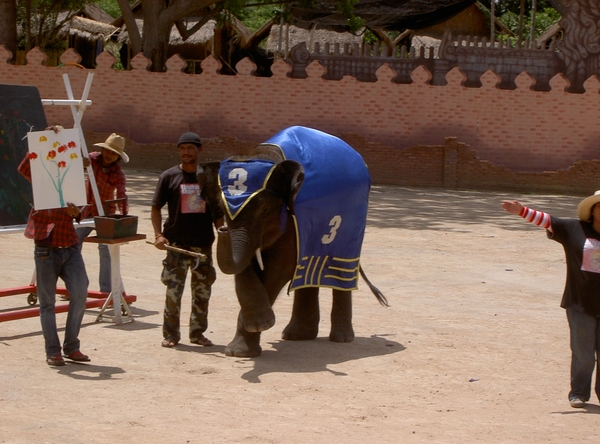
x=538 y=218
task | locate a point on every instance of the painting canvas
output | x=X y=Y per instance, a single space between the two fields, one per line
x=56 y=168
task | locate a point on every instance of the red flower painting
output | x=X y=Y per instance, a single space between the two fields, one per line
x=57 y=163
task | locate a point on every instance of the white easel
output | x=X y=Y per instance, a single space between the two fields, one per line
x=117 y=290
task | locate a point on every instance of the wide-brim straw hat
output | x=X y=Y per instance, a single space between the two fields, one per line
x=584 y=209
x=115 y=143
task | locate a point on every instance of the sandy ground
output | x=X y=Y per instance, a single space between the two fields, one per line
x=474 y=347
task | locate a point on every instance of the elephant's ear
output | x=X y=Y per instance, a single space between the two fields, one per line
x=292 y=177
x=208 y=179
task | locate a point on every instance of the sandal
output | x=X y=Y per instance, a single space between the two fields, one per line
x=205 y=342
x=169 y=342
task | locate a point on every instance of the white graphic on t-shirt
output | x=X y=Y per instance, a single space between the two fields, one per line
x=591 y=256
x=191 y=202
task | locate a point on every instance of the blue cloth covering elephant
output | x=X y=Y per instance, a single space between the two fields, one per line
x=330 y=209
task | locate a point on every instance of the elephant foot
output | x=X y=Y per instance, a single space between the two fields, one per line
x=258 y=321
x=342 y=334
x=299 y=332
x=244 y=346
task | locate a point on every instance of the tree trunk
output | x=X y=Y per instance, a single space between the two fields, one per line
x=135 y=39
x=158 y=21
x=521 y=19
x=8 y=26
x=156 y=35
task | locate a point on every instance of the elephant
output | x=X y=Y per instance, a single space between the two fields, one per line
x=295 y=213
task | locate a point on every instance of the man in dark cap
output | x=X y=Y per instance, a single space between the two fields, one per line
x=189 y=225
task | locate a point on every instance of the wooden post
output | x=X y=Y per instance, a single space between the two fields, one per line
x=521 y=19
x=493 y=22
x=532 y=31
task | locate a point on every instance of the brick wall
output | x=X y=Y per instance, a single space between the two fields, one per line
x=453 y=165
x=520 y=129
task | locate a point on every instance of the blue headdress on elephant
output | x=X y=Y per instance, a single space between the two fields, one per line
x=330 y=209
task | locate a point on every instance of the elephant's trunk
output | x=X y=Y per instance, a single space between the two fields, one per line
x=233 y=250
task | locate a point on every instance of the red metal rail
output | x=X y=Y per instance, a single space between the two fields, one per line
x=95 y=299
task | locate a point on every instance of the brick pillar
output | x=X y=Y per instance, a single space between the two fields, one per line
x=451 y=162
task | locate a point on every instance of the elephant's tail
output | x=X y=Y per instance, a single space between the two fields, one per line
x=378 y=294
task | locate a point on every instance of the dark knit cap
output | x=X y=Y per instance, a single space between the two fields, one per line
x=192 y=138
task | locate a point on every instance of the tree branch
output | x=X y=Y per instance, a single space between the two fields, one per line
x=135 y=38
x=210 y=14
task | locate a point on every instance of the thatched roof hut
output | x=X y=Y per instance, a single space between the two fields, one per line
x=471 y=21
x=195 y=48
x=94 y=12
x=462 y=17
x=89 y=29
x=390 y=15
x=425 y=42
x=283 y=38
x=200 y=37
x=89 y=38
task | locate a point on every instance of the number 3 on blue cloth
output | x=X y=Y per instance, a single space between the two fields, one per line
x=239 y=177
x=241 y=180
x=334 y=223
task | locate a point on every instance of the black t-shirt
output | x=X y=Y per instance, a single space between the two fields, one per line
x=190 y=219
x=582 y=253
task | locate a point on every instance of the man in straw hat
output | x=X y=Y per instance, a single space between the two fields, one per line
x=580 y=239
x=111 y=182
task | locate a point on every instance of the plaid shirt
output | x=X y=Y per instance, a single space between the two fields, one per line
x=109 y=179
x=54 y=227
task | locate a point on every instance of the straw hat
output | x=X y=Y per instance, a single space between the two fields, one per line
x=584 y=209
x=115 y=143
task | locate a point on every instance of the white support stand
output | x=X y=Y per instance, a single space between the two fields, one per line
x=121 y=310
x=77 y=111
x=117 y=291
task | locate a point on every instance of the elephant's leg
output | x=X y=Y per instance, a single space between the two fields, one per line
x=244 y=344
x=304 y=324
x=256 y=312
x=341 y=317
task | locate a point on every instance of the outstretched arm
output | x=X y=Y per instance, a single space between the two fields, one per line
x=538 y=218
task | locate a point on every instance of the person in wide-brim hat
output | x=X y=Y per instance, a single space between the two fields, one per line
x=111 y=186
x=585 y=207
x=116 y=144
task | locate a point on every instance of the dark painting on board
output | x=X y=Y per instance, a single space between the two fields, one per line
x=21 y=111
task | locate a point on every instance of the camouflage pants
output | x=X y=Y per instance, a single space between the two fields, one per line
x=175 y=268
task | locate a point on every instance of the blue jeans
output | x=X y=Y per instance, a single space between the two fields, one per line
x=585 y=347
x=104 y=278
x=67 y=264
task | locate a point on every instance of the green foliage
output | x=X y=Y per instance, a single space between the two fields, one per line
x=543 y=20
x=347 y=8
x=254 y=13
x=504 y=6
x=256 y=16
x=110 y=6
x=39 y=22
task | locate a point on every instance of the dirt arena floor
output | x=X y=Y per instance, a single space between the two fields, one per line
x=473 y=349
